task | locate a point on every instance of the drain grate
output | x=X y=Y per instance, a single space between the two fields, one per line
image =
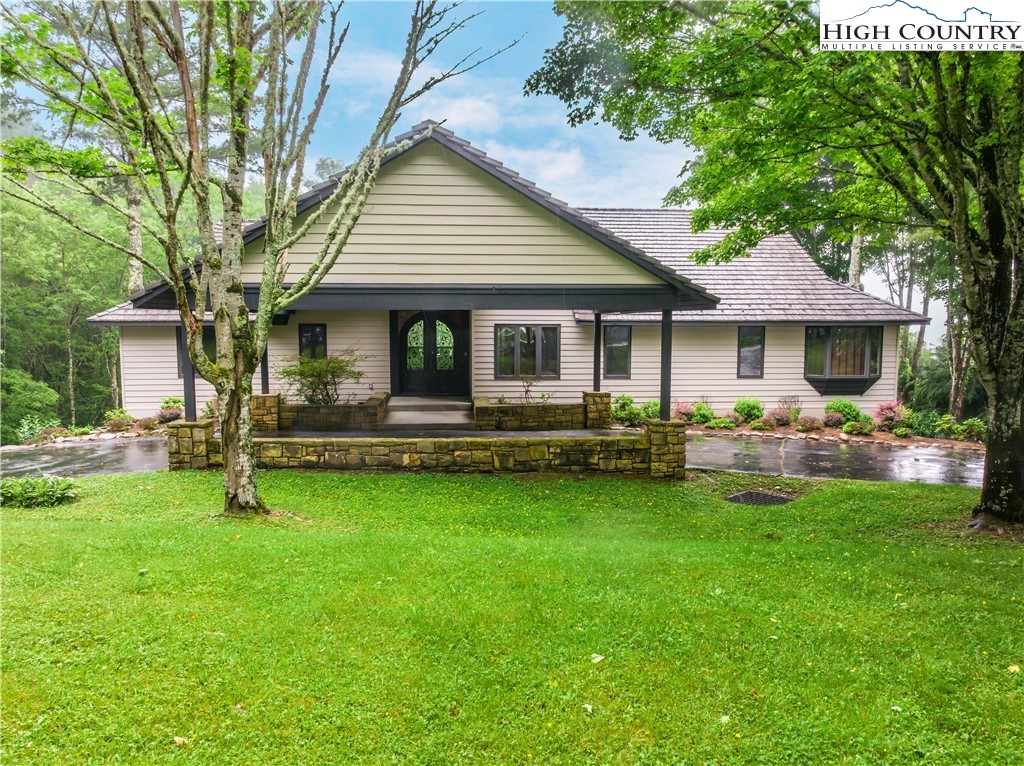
x=753 y=497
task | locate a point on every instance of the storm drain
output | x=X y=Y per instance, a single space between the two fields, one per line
x=753 y=497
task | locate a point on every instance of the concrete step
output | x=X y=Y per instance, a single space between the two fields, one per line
x=428 y=404
x=429 y=420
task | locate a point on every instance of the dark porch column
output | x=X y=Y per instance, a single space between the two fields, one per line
x=265 y=374
x=666 y=365
x=597 y=351
x=188 y=375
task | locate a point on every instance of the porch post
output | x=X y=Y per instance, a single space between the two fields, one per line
x=265 y=374
x=666 y=364
x=597 y=351
x=188 y=375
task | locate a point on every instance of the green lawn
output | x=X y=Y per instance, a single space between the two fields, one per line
x=430 y=619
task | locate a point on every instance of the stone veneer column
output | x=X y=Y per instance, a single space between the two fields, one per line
x=188 y=444
x=668 y=448
x=265 y=412
x=599 y=409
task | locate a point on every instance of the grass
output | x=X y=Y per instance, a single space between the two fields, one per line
x=426 y=619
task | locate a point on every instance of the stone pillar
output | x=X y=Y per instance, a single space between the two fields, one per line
x=668 y=448
x=266 y=410
x=188 y=444
x=599 y=409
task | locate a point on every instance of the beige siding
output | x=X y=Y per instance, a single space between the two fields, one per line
x=366 y=331
x=704 y=361
x=149 y=370
x=703 y=364
x=434 y=217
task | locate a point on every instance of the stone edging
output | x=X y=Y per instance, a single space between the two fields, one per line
x=911 y=443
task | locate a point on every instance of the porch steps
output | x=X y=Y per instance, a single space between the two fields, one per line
x=428 y=414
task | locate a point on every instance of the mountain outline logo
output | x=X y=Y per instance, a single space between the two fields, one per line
x=911 y=6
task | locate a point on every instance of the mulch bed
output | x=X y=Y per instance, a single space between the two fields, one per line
x=836 y=435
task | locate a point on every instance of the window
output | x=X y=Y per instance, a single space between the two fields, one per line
x=209 y=346
x=750 y=355
x=313 y=340
x=617 y=344
x=526 y=350
x=843 y=359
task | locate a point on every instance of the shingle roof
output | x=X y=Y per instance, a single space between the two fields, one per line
x=778 y=282
x=126 y=313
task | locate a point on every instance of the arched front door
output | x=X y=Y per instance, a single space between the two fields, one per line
x=430 y=352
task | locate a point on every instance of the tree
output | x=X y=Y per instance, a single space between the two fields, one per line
x=937 y=133
x=244 y=75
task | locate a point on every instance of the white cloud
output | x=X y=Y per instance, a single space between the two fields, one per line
x=480 y=114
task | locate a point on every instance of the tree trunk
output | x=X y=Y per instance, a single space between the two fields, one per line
x=71 y=373
x=134 y=200
x=1002 y=493
x=915 y=358
x=856 y=247
x=234 y=403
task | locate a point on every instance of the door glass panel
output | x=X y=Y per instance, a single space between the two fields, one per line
x=527 y=351
x=445 y=348
x=414 y=348
x=848 y=351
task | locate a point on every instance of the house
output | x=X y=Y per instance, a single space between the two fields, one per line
x=461 y=277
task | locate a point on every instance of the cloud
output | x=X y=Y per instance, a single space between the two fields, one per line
x=479 y=114
x=549 y=167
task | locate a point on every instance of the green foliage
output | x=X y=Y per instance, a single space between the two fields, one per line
x=172 y=403
x=702 y=412
x=933 y=381
x=975 y=430
x=118 y=413
x=81 y=431
x=716 y=423
x=749 y=409
x=31 y=426
x=807 y=424
x=37 y=491
x=624 y=411
x=892 y=415
x=859 y=427
x=321 y=381
x=925 y=423
x=844 y=407
x=27 y=405
x=903 y=432
x=763 y=424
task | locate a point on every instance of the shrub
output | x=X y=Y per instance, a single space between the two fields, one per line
x=37 y=492
x=146 y=424
x=735 y=417
x=903 y=432
x=81 y=431
x=720 y=423
x=792 y=405
x=23 y=397
x=172 y=403
x=118 y=424
x=781 y=416
x=763 y=424
x=169 y=414
x=924 y=423
x=974 y=429
x=683 y=411
x=49 y=434
x=209 y=410
x=892 y=415
x=702 y=413
x=858 y=428
x=749 y=409
x=651 y=410
x=833 y=420
x=33 y=425
x=806 y=424
x=118 y=414
x=844 y=407
x=320 y=381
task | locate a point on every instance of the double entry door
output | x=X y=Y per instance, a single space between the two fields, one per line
x=430 y=353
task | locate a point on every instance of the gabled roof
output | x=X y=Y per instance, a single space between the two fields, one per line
x=778 y=283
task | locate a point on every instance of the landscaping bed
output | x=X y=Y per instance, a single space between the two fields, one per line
x=836 y=435
x=436 y=619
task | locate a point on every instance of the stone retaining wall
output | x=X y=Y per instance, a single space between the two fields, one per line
x=271 y=414
x=594 y=412
x=660 y=452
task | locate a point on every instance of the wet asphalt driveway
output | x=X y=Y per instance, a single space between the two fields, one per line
x=826 y=460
